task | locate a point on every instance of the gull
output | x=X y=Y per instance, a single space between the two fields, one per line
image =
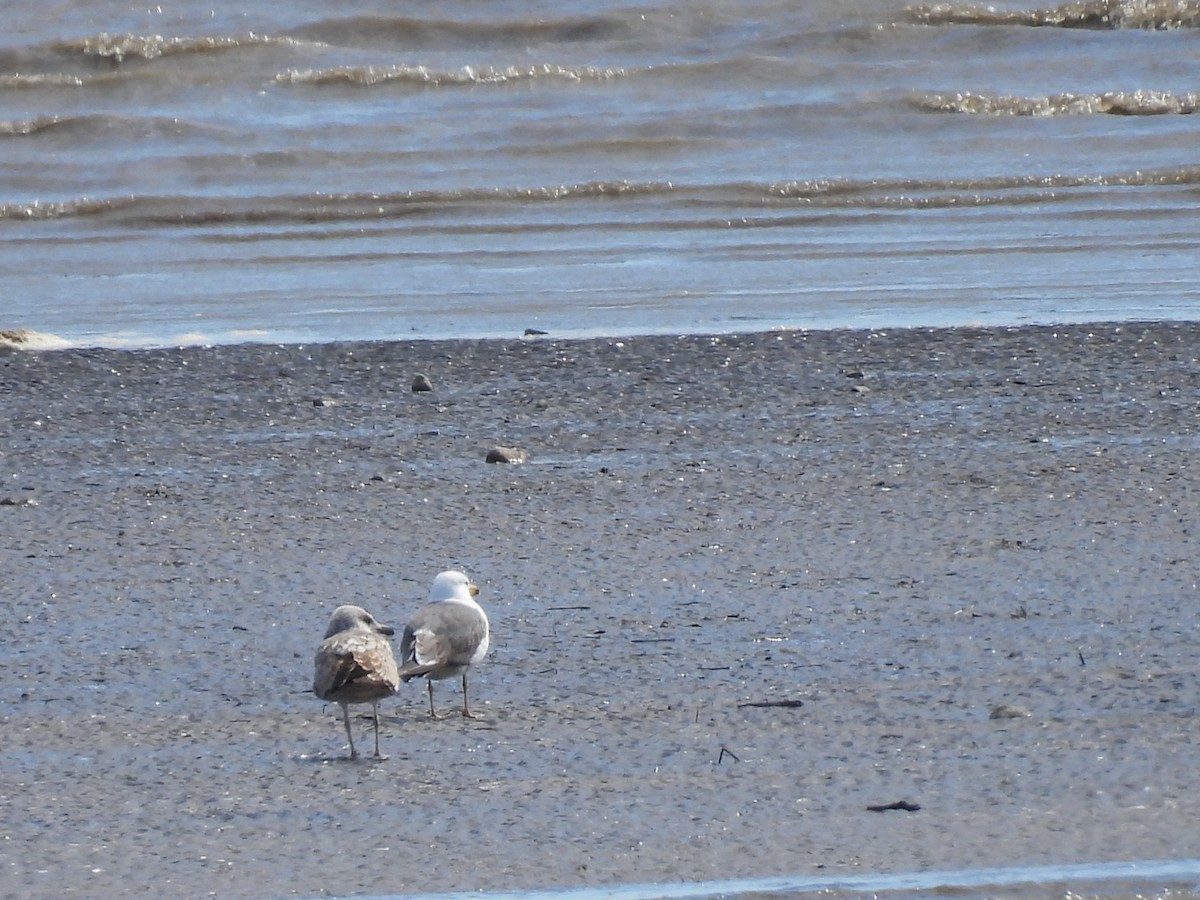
x=354 y=664
x=446 y=636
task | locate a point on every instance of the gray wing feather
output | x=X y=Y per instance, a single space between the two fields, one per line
x=439 y=635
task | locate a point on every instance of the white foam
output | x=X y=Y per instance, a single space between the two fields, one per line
x=24 y=339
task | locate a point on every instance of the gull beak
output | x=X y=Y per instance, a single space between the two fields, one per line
x=474 y=589
x=385 y=629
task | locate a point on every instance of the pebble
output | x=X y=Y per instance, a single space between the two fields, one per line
x=507 y=455
x=421 y=383
x=1009 y=711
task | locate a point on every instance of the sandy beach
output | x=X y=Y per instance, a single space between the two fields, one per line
x=744 y=589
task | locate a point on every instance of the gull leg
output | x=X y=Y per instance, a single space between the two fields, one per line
x=375 y=710
x=429 y=687
x=467 y=714
x=349 y=733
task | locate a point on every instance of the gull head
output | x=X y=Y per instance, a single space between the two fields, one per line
x=354 y=618
x=452 y=586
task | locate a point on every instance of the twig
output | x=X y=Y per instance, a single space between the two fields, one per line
x=903 y=805
x=721 y=756
x=763 y=704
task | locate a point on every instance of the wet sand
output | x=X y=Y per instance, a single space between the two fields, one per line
x=744 y=589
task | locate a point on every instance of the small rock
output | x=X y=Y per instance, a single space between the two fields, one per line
x=534 y=332
x=421 y=383
x=1008 y=711
x=507 y=455
x=18 y=501
x=324 y=401
x=860 y=389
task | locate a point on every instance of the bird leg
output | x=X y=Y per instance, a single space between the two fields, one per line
x=375 y=710
x=349 y=733
x=467 y=714
x=429 y=687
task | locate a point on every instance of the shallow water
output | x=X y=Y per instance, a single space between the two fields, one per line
x=1170 y=877
x=287 y=172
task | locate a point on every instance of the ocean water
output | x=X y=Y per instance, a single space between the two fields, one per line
x=219 y=172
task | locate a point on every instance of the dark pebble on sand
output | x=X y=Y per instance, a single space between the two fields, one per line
x=507 y=455
x=1009 y=711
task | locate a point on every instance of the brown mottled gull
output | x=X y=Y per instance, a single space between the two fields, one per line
x=445 y=637
x=354 y=664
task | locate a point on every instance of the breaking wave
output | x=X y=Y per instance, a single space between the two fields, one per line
x=368 y=76
x=310 y=209
x=121 y=47
x=93 y=126
x=428 y=32
x=44 y=79
x=23 y=127
x=26 y=339
x=1113 y=103
x=1156 y=15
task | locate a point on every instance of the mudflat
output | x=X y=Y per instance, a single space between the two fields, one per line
x=767 y=604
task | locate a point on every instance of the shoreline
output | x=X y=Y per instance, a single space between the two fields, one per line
x=1122 y=879
x=746 y=587
x=32 y=339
